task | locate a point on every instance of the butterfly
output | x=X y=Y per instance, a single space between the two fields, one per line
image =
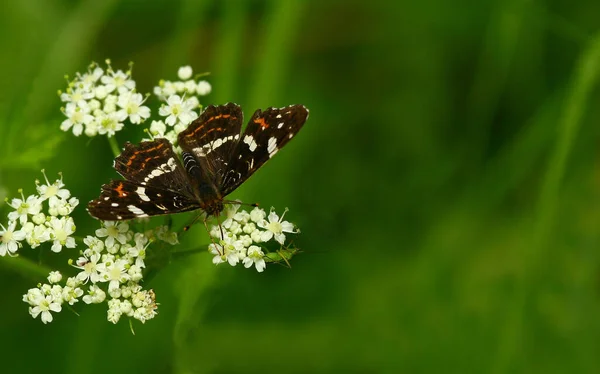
x=216 y=159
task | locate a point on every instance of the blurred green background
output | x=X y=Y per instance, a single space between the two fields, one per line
x=447 y=184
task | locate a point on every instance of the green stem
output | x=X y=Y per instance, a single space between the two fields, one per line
x=114 y=146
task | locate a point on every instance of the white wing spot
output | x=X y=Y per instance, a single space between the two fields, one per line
x=291 y=135
x=278 y=116
x=280 y=125
x=114 y=204
x=137 y=211
x=249 y=139
x=141 y=191
x=106 y=198
x=172 y=164
x=272 y=145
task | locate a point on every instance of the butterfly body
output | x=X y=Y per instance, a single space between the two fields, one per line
x=216 y=158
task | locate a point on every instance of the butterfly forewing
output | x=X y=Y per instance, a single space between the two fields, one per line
x=266 y=133
x=210 y=139
x=121 y=200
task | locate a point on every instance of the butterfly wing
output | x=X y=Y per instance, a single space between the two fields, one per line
x=266 y=133
x=123 y=199
x=155 y=183
x=209 y=140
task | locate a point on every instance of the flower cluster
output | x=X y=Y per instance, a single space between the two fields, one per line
x=180 y=104
x=99 y=101
x=111 y=264
x=242 y=235
x=39 y=218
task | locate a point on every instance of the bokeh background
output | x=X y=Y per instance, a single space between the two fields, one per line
x=447 y=185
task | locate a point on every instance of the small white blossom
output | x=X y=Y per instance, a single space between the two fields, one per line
x=24 y=207
x=61 y=229
x=89 y=267
x=184 y=72
x=10 y=239
x=78 y=115
x=177 y=109
x=54 y=277
x=95 y=295
x=276 y=227
x=42 y=304
x=71 y=295
x=131 y=104
x=257 y=215
x=203 y=88
x=113 y=231
x=114 y=272
x=36 y=234
x=119 y=81
x=255 y=256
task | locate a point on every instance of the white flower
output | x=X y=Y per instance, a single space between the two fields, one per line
x=53 y=191
x=255 y=256
x=229 y=250
x=119 y=81
x=9 y=239
x=71 y=294
x=203 y=88
x=94 y=244
x=38 y=219
x=110 y=123
x=275 y=227
x=114 y=272
x=178 y=109
x=158 y=128
x=184 y=72
x=76 y=93
x=133 y=108
x=89 y=267
x=190 y=86
x=43 y=305
x=61 y=229
x=24 y=207
x=54 y=277
x=257 y=215
x=36 y=234
x=78 y=115
x=62 y=207
x=95 y=295
x=114 y=310
x=114 y=231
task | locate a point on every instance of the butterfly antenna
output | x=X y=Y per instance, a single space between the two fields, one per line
x=254 y=205
x=187 y=227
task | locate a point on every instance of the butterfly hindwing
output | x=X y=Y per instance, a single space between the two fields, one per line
x=266 y=133
x=122 y=199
